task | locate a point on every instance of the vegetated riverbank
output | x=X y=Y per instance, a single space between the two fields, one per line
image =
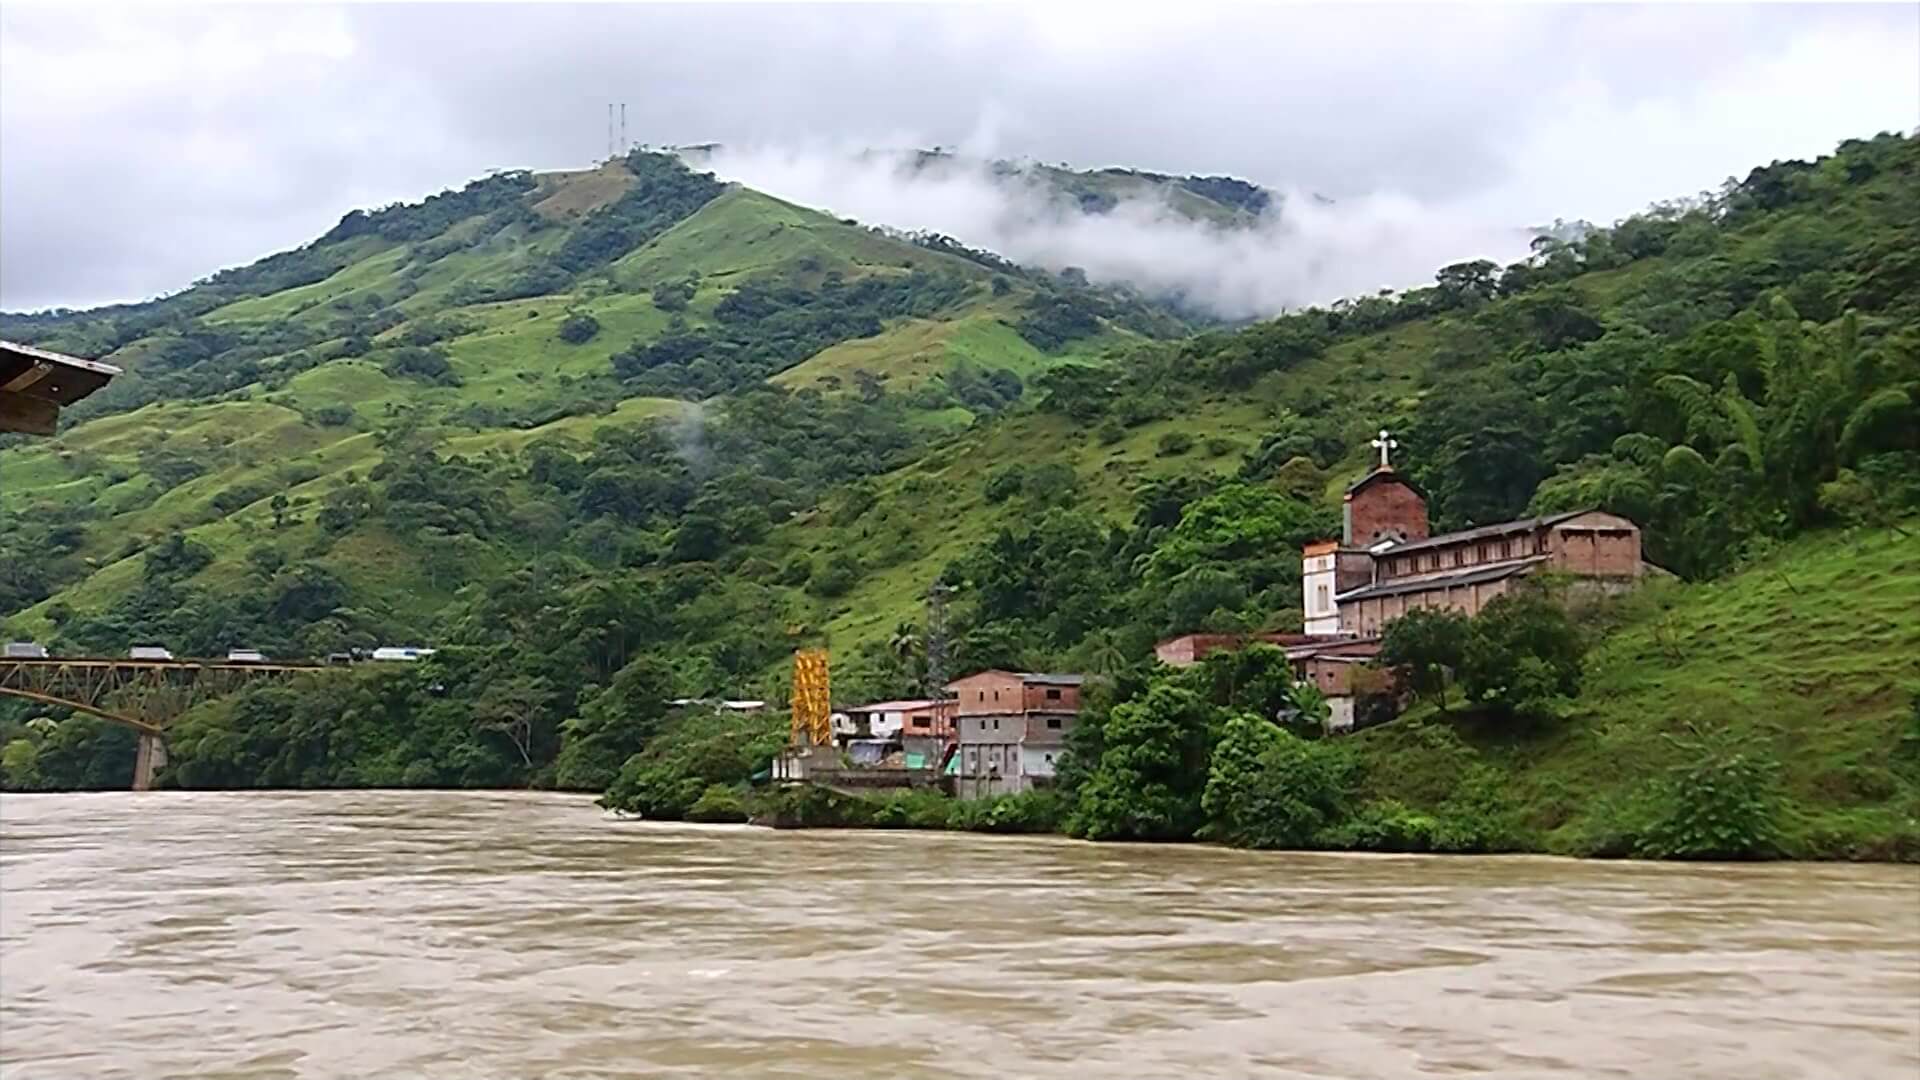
x=1775 y=714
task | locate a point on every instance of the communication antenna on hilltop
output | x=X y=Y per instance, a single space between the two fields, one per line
x=624 y=145
x=609 y=131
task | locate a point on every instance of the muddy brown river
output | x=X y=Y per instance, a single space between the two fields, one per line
x=464 y=935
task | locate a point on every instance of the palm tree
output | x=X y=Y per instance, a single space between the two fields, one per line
x=905 y=643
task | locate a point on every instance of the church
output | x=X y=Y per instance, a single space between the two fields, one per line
x=1386 y=564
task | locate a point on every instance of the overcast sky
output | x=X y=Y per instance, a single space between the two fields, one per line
x=143 y=148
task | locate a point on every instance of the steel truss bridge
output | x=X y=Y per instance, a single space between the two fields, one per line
x=145 y=695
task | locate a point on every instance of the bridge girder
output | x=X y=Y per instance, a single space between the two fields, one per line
x=145 y=695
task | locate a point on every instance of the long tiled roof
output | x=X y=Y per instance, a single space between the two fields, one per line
x=1473 y=575
x=898 y=706
x=1045 y=679
x=1485 y=531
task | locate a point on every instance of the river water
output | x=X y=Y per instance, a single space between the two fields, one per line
x=479 y=935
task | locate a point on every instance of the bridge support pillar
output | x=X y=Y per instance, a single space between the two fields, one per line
x=151 y=758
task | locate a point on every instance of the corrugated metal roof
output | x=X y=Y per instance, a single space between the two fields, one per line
x=896 y=706
x=1042 y=678
x=1045 y=679
x=1485 y=531
x=48 y=375
x=1473 y=575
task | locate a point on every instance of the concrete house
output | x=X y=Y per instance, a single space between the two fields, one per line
x=1010 y=729
x=921 y=727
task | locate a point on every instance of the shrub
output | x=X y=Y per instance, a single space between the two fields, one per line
x=1005 y=482
x=578 y=328
x=837 y=577
x=1479 y=816
x=673 y=295
x=796 y=570
x=720 y=803
x=1175 y=443
x=238 y=496
x=1523 y=655
x=1110 y=431
x=1042 y=811
x=1387 y=825
x=425 y=365
x=906 y=810
x=1267 y=788
x=1726 y=803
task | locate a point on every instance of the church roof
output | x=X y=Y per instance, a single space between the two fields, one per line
x=1380 y=474
x=1473 y=575
x=1485 y=531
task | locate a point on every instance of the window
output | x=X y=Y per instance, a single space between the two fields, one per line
x=982 y=695
x=996 y=695
x=996 y=723
x=1053 y=695
x=1320 y=601
x=1053 y=722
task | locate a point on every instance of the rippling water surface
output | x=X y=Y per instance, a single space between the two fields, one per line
x=388 y=934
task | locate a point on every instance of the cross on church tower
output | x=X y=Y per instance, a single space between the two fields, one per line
x=1385 y=444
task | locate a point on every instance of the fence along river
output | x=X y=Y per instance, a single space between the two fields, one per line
x=471 y=935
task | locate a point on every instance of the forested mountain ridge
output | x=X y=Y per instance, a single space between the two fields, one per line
x=1731 y=373
x=518 y=308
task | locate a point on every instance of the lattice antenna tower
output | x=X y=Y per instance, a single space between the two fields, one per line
x=609 y=131
x=624 y=145
x=937 y=647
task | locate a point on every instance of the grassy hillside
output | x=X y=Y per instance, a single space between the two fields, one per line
x=1810 y=657
x=282 y=379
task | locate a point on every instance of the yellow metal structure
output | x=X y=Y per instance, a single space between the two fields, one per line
x=812 y=699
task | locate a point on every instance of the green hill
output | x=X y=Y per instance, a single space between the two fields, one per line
x=453 y=315
x=774 y=427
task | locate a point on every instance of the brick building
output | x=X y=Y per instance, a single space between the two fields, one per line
x=1010 y=729
x=1386 y=563
x=1189 y=649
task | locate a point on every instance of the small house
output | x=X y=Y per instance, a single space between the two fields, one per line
x=1010 y=729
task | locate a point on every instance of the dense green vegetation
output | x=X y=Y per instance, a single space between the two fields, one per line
x=489 y=424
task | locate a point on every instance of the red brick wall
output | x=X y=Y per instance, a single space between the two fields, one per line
x=1386 y=506
x=1330 y=676
x=1597 y=545
x=1371 y=616
x=1064 y=699
x=936 y=720
x=987 y=693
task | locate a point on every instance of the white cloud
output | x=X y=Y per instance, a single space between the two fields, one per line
x=142 y=148
x=1308 y=252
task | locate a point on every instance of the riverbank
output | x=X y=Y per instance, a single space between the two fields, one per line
x=1771 y=715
